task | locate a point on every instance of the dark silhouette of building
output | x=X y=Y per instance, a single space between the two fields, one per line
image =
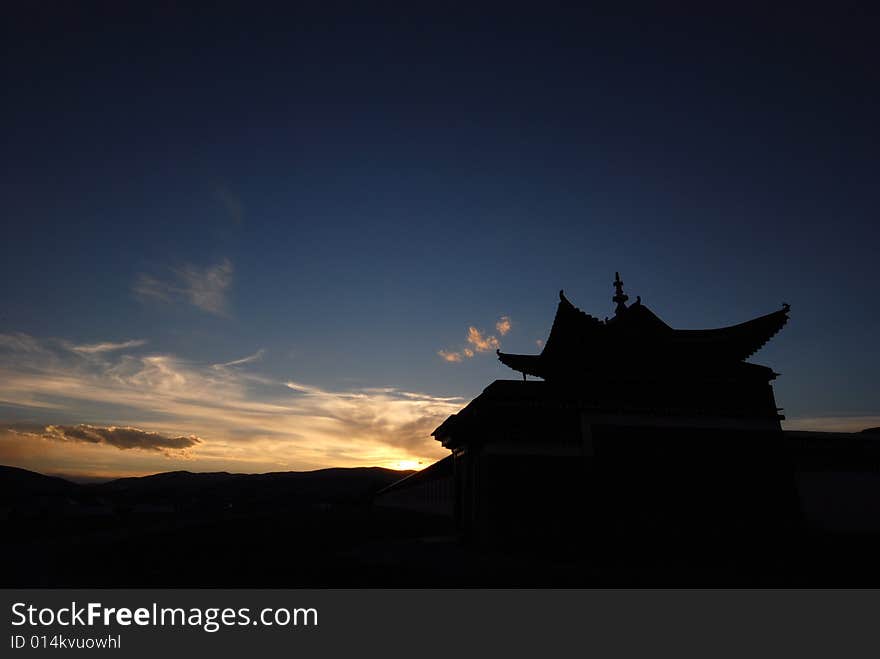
x=635 y=430
x=429 y=490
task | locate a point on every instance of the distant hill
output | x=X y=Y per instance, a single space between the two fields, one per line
x=18 y=483
x=198 y=529
x=339 y=485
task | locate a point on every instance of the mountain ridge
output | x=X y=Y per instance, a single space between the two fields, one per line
x=329 y=485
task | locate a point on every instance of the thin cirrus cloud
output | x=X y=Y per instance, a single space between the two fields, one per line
x=205 y=288
x=107 y=346
x=19 y=342
x=258 y=355
x=477 y=342
x=221 y=416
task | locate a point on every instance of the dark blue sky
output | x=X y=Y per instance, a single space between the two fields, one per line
x=348 y=191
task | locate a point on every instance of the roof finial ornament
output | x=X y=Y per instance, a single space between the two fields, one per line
x=620 y=298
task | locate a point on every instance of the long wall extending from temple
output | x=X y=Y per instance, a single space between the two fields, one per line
x=836 y=479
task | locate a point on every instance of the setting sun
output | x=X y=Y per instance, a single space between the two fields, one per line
x=405 y=465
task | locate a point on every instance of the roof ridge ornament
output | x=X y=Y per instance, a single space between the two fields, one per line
x=620 y=297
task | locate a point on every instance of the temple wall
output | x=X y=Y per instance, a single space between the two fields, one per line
x=838 y=476
x=435 y=497
x=625 y=479
x=840 y=502
x=431 y=490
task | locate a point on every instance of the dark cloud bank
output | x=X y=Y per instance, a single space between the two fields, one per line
x=121 y=437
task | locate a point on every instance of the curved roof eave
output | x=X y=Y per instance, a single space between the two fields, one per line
x=744 y=339
x=527 y=364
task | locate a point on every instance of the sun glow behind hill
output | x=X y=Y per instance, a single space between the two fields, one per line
x=125 y=411
x=406 y=465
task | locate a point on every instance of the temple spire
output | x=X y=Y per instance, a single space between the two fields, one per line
x=620 y=298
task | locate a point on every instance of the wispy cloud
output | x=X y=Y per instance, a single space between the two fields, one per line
x=206 y=288
x=258 y=355
x=107 y=346
x=242 y=420
x=477 y=341
x=480 y=342
x=450 y=356
x=19 y=342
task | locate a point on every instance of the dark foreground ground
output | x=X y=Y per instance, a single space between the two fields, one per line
x=319 y=530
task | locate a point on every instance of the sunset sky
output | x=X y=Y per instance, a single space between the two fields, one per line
x=254 y=241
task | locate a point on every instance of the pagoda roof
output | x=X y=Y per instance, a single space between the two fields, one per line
x=636 y=340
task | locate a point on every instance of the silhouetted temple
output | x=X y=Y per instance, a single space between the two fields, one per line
x=635 y=427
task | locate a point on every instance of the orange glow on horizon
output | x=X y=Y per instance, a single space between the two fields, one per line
x=407 y=465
